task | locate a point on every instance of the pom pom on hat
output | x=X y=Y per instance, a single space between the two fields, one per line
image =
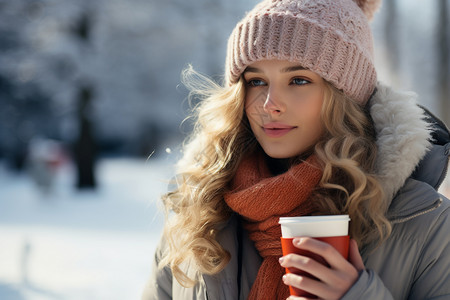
x=369 y=7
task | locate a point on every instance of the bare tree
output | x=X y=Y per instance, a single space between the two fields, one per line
x=391 y=34
x=443 y=66
x=85 y=146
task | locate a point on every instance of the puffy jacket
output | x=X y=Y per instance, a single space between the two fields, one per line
x=413 y=263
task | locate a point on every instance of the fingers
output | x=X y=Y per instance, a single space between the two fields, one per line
x=330 y=282
x=328 y=252
x=309 y=265
x=312 y=286
x=327 y=283
x=354 y=257
x=304 y=283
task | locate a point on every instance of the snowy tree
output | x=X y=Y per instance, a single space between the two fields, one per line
x=25 y=108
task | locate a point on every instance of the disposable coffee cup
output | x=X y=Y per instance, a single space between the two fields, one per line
x=329 y=229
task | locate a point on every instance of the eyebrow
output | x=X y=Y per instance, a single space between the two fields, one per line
x=284 y=70
x=292 y=69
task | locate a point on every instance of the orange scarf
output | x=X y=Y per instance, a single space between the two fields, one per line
x=262 y=199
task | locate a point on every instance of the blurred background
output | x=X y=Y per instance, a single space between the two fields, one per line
x=91 y=111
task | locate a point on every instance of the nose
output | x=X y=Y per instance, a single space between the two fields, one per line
x=272 y=104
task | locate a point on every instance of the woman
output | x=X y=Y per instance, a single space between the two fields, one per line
x=301 y=127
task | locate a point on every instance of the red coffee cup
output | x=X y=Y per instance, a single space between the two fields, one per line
x=340 y=243
x=329 y=229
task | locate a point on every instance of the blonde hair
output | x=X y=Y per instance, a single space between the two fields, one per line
x=347 y=153
x=211 y=155
x=222 y=136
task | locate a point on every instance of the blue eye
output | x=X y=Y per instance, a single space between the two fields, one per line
x=256 y=82
x=300 y=81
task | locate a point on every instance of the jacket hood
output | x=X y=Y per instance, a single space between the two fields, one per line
x=411 y=141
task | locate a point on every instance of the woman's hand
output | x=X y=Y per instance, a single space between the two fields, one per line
x=334 y=281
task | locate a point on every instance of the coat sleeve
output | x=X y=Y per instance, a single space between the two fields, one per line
x=432 y=277
x=368 y=286
x=159 y=286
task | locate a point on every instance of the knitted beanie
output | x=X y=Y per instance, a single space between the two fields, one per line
x=330 y=37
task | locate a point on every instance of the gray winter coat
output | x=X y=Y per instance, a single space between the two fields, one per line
x=413 y=263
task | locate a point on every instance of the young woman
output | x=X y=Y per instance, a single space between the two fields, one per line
x=301 y=127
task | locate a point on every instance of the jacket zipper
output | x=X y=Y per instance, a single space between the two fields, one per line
x=426 y=210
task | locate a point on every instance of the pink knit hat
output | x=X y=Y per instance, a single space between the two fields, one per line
x=330 y=37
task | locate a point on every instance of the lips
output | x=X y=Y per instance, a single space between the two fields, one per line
x=277 y=129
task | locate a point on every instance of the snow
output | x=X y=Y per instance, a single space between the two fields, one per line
x=65 y=244
x=81 y=245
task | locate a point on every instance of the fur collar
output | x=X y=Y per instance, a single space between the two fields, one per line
x=403 y=136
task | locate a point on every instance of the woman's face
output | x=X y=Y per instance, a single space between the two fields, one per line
x=283 y=102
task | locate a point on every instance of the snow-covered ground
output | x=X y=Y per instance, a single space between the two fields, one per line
x=66 y=244
x=81 y=246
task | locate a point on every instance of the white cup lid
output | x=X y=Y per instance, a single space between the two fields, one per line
x=310 y=219
x=314 y=226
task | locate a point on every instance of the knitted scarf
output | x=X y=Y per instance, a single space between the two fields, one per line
x=262 y=199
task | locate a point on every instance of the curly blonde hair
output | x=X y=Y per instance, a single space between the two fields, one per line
x=222 y=136
x=347 y=153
